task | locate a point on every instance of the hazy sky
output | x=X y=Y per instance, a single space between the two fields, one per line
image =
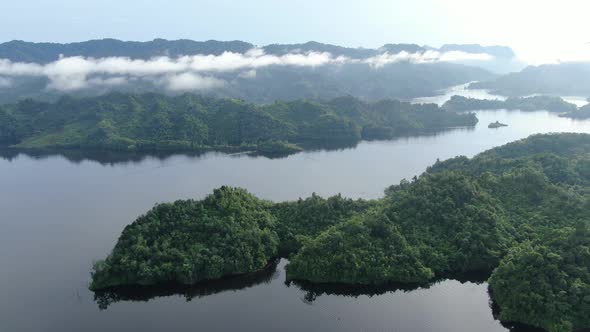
x=540 y=31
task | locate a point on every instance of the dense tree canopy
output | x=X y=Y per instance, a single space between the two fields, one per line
x=229 y=232
x=521 y=210
x=370 y=250
x=306 y=218
x=465 y=215
x=152 y=121
x=546 y=282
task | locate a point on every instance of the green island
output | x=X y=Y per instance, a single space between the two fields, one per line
x=535 y=103
x=519 y=212
x=147 y=122
x=497 y=124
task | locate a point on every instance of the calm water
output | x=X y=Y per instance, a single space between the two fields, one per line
x=461 y=90
x=576 y=100
x=58 y=215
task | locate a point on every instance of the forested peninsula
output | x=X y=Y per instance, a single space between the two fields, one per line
x=535 y=103
x=520 y=212
x=581 y=113
x=148 y=122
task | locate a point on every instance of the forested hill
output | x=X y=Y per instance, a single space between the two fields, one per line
x=535 y=103
x=193 y=122
x=565 y=79
x=521 y=210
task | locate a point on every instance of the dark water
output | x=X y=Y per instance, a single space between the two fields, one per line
x=60 y=213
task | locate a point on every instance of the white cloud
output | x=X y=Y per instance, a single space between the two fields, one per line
x=10 y=68
x=455 y=56
x=425 y=57
x=107 y=82
x=190 y=82
x=195 y=72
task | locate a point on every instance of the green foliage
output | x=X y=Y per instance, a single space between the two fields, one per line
x=455 y=224
x=9 y=131
x=188 y=122
x=462 y=215
x=546 y=283
x=308 y=217
x=229 y=232
x=367 y=250
x=521 y=209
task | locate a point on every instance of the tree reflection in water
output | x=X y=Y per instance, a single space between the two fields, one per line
x=104 y=298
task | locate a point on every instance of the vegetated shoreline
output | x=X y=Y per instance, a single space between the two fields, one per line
x=107 y=296
x=497 y=211
x=83 y=153
x=155 y=122
x=527 y=104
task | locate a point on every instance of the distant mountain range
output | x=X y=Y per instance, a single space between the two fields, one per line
x=22 y=51
x=264 y=74
x=565 y=79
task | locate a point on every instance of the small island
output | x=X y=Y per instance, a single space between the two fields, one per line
x=157 y=122
x=518 y=212
x=497 y=124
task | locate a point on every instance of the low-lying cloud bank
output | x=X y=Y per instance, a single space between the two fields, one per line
x=196 y=72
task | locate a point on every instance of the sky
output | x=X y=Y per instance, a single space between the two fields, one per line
x=539 y=31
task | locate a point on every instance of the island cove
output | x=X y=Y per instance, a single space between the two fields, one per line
x=519 y=212
x=153 y=122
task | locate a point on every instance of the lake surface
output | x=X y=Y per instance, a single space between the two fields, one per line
x=459 y=90
x=60 y=213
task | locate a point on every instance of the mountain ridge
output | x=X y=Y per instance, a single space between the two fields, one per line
x=45 y=52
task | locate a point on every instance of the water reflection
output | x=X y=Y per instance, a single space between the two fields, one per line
x=313 y=290
x=101 y=156
x=271 y=274
x=112 y=158
x=104 y=298
x=53 y=204
x=512 y=327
